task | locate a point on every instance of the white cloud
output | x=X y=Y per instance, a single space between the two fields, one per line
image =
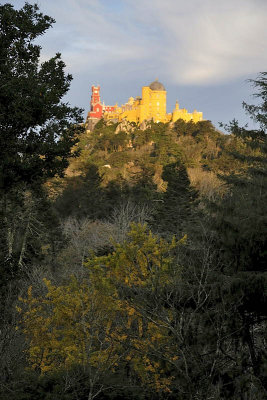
x=208 y=41
x=193 y=42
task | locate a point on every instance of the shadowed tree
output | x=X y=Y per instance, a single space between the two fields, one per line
x=37 y=133
x=37 y=130
x=239 y=225
x=175 y=210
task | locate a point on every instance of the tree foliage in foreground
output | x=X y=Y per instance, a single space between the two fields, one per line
x=37 y=129
x=240 y=217
x=37 y=134
x=142 y=318
x=97 y=324
x=172 y=330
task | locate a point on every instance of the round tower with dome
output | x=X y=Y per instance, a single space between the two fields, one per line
x=151 y=106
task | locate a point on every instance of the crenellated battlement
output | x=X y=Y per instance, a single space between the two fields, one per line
x=151 y=106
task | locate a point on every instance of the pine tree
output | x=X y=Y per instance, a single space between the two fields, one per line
x=241 y=216
x=37 y=130
x=176 y=208
x=239 y=223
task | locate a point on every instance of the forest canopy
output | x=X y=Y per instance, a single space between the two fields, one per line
x=133 y=259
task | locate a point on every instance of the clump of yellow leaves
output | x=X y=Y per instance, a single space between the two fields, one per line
x=98 y=322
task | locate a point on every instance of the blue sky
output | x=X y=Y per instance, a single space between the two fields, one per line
x=201 y=50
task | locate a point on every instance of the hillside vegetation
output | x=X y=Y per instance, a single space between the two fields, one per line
x=121 y=150
x=123 y=154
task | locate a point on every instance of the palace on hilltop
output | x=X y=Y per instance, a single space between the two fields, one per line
x=151 y=106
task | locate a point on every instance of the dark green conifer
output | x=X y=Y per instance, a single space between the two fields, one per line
x=175 y=208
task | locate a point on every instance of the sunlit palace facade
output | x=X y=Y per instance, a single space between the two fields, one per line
x=151 y=106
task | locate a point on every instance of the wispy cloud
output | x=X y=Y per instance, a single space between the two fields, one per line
x=208 y=41
x=194 y=42
x=90 y=35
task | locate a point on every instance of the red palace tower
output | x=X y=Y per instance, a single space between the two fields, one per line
x=96 y=108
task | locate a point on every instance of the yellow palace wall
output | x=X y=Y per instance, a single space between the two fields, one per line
x=152 y=105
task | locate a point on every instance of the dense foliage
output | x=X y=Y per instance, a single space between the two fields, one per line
x=137 y=269
x=37 y=131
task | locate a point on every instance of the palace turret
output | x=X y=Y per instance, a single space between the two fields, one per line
x=151 y=106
